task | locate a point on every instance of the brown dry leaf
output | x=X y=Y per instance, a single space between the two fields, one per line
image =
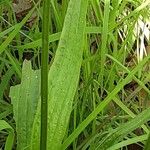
x=144 y=101
x=148 y=49
x=21 y=6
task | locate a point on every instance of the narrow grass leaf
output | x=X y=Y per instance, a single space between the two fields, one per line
x=129 y=142
x=5 y=80
x=103 y=104
x=38 y=43
x=103 y=48
x=124 y=129
x=10 y=138
x=147 y=145
x=133 y=13
x=55 y=37
x=16 y=30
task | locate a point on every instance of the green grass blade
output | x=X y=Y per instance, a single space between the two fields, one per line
x=134 y=77
x=102 y=105
x=124 y=129
x=10 y=139
x=133 y=13
x=147 y=146
x=55 y=37
x=14 y=63
x=38 y=43
x=128 y=111
x=44 y=74
x=2 y=34
x=16 y=30
x=129 y=142
x=5 y=80
x=103 y=48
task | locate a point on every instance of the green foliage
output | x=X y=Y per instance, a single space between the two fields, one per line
x=98 y=78
x=4 y=1
x=103 y=104
x=67 y=61
x=117 y=134
x=147 y=146
x=44 y=74
x=25 y=98
x=5 y=81
x=10 y=139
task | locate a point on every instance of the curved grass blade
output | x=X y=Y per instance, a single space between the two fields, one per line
x=147 y=146
x=10 y=139
x=103 y=104
x=16 y=30
x=38 y=43
x=55 y=37
x=124 y=129
x=129 y=142
x=5 y=81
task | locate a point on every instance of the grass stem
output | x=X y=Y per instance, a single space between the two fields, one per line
x=44 y=73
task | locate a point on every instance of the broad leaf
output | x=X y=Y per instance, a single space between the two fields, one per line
x=24 y=99
x=64 y=75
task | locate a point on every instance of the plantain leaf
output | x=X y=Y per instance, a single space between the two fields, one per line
x=24 y=99
x=64 y=76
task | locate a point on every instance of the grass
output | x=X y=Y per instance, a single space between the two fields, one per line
x=96 y=75
x=44 y=74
